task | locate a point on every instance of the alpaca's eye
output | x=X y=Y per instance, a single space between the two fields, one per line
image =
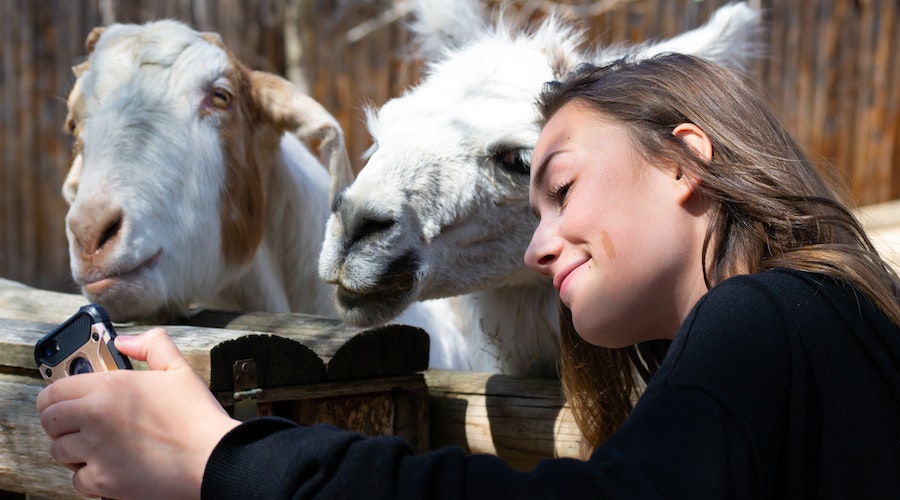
x=220 y=97
x=514 y=161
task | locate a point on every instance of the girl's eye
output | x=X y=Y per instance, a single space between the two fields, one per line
x=558 y=194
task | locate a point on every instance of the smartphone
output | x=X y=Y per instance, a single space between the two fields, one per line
x=81 y=344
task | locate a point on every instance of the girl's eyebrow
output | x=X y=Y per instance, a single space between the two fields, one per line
x=538 y=181
x=541 y=170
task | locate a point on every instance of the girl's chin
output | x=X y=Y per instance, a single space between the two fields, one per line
x=607 y=336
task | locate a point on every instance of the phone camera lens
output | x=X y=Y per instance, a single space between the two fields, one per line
x=95 y=336
x=48 y=372
x=80 y=365
x=50 y=349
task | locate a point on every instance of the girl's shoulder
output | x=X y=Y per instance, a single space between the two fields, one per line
x=782 y=291
x=761 y=319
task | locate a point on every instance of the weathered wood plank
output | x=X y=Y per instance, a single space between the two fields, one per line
x=18 y=338
x=346 y=351
x=211 y=352
x=521 y=420
x=25 y=462
x=18 y=301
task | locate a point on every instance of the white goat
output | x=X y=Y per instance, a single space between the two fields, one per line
x=185 y=187
x=441 y=207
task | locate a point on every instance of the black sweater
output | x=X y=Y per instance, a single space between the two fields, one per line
x=778 y=385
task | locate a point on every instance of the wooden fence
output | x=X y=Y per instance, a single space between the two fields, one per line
x=305 y=368
x=832 y=72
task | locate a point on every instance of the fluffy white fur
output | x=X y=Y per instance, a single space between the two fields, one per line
x=441 y=207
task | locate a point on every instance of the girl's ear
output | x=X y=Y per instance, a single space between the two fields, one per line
x=696 y=139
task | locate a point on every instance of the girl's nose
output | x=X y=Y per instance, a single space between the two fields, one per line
x=542 y=252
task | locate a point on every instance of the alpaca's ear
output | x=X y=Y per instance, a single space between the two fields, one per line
x=441 y=25
x=732 y=38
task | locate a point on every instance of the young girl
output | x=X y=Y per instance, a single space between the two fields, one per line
x=691 y=242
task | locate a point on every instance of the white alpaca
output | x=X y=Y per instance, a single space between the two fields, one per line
x=185 y=188
x=441 y=207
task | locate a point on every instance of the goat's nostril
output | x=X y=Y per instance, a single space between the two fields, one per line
x=95 y=227
x=543 y=261
x=112 y=229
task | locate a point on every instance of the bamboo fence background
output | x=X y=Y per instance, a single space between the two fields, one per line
x=832 y=74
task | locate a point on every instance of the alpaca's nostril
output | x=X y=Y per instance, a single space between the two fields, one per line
x=372 y=226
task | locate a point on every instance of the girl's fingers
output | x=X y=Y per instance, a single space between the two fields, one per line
x=61 y=418
x=62 y=390
x=66 y=450
x=155 y=347
x=92 y=479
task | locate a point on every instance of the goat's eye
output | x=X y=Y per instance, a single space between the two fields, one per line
x=71 y=125
x=220 y=97
x=514 y=161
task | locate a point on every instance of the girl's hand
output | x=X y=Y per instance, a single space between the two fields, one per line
x=135 y=433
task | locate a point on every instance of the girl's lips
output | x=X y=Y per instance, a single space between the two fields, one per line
x=562 y=278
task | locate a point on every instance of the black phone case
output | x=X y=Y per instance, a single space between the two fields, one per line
x=83 y=341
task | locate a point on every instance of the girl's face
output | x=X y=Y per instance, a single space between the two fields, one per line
x=620 y=237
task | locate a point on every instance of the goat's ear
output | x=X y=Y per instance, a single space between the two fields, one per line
x=289 y=109
x=213 y=38
x=75 y=101
x=91 y=41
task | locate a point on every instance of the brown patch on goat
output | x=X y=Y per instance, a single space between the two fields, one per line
x=250 y=143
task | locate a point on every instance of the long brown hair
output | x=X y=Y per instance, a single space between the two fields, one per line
x=773 y=206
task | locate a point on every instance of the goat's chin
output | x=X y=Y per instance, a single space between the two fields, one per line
x=138 y=298
x=372 y=309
